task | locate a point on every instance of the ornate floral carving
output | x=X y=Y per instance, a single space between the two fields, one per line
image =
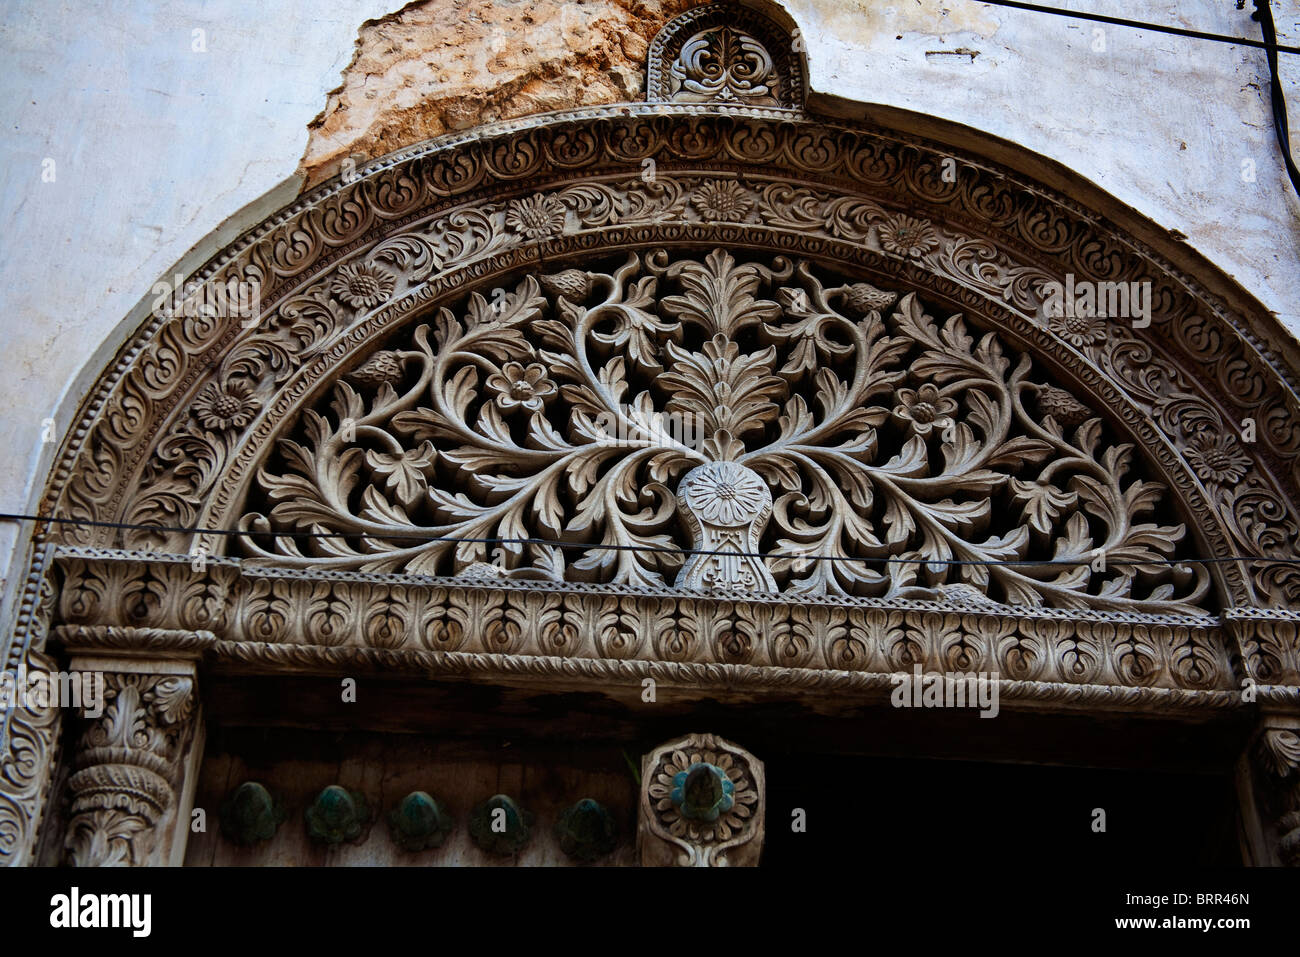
x=907 y=236
x=725 y=65
x=225 y=407
x=776 y=386
x=721 y=201
x=363 y=285
x=537 y=216
x=521 y=387
x=726 y=506
x=30 y=745
x=727 y=55
x=126 y=769
x=1217 y=458
x=702 y=803
x=191 y=468
x=924 y=409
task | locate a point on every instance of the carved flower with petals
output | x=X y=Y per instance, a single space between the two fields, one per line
x=222 y=407
x=517 y=385
x=362 y=285
x=1216 y=457
x=724 y=493
x=536 y=217
x=925 y=408
x=721 y=201
x=906 y=236
x=1077 y=330
x=682 y=798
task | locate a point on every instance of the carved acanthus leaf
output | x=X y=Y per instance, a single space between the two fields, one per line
x=902 y=454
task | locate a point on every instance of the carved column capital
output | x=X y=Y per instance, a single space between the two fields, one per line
x=129 y=773
x=1278 y=753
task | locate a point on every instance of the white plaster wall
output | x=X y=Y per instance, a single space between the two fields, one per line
x=156 y=145
x=1163 y=123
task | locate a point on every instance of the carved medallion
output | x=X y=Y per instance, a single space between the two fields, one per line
x=702 y=804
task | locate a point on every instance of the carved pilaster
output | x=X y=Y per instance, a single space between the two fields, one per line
x=1278 y=752
x=136 y=758
x=28 y=749
x=702 y=804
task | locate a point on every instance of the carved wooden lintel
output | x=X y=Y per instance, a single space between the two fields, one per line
x=603 y=635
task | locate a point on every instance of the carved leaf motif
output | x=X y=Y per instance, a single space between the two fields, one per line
x=906 y=457
x=719 y=295
x=722 y=389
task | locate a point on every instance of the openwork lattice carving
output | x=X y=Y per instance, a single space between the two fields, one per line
x=729 y=408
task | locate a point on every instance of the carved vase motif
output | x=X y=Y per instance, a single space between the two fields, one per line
x=726 y=507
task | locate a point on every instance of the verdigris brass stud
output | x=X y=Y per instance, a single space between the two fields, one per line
x=586 y=830
x=702 y=792
x=337 y=815
x=500 y=826
x=250 y=814
x=419 y=822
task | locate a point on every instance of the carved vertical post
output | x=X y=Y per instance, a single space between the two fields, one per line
x=702 y=804
x=135 y=765
x=1278 y=752
x=29 y=745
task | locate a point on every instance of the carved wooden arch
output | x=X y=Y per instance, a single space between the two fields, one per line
x=563 y=208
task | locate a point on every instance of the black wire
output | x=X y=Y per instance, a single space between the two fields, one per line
x=433 y=539
x=1268 y=43
x=1264 y=14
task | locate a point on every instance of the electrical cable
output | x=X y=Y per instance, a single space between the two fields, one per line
x=1267 y=43
x=1264 y=15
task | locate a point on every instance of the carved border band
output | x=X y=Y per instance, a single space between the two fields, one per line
x=275 y=620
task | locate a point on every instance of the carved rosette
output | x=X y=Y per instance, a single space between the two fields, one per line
x=127 y=769
x=1279 y=753
x=702 y=804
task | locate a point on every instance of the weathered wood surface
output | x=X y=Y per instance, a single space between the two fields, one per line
x=296 y=765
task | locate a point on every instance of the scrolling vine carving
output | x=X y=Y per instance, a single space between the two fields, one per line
x=658 y=406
